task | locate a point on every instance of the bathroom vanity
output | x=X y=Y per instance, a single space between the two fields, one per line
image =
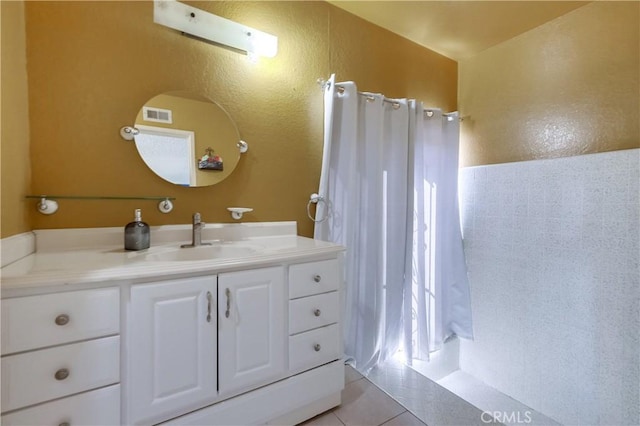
x=245 y=331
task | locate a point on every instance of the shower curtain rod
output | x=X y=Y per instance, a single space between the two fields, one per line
x=371 y=98
x=396 y=104
x=323 y=83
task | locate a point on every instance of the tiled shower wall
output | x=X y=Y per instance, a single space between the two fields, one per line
x=552 y=249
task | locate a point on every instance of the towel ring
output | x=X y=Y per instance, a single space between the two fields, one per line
x=315 y=199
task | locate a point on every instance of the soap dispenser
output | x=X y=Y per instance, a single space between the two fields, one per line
x=137 y=234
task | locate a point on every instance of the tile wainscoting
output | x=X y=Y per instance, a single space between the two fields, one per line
x=552 y=249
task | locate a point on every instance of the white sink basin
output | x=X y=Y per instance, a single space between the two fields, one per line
x=216 y=251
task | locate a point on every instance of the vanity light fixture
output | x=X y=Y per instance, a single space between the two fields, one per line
x=208 y=26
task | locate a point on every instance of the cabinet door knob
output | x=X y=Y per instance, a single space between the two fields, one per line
x=316 y=312
x=62 y=319
x=62 y=374
x=317 y=278
x=316 y=347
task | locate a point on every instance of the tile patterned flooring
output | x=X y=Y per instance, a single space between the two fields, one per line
x=364 y=404
x=408 y=399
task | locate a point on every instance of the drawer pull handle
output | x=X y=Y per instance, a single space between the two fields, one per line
x=227 y=293
x=62 y=319
x=65 y=424
x=316 y=347
x=316 y=312
x=317 y=278
x=209 y=297
x=62 y=374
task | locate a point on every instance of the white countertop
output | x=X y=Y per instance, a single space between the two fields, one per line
x=66 y=259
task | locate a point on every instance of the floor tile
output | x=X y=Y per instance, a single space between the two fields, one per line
x=363 y=404
x=404 y=419
x=430 y=402
x=325 y=419
x=351 y=374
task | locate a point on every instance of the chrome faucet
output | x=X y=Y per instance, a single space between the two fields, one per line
x=196 y=233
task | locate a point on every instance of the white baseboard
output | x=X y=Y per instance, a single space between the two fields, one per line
x=308 y=411
x=288 y=401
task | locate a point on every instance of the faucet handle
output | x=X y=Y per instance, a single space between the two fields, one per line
x=196 y=218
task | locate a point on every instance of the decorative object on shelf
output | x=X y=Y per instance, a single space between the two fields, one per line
x=237 y=212
x=47 y=205
x=207 y=26
x=210 y=161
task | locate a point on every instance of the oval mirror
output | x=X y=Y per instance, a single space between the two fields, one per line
x=187 y=139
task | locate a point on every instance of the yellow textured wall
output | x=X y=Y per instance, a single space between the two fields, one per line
x=380 y=61
x=15 y=175
x=92 y=65
x=568 y=87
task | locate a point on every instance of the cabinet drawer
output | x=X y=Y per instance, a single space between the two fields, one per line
x=98 y=407
x=51 y=319
x=306 y=279
x=30 y=378
x=313 y=348
x=313 y=312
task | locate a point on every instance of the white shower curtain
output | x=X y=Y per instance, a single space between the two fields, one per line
x=440 y=300
x=372 y=176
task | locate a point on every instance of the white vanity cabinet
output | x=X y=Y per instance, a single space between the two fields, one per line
x=252 y=331
x=195 y=340
x=314 y=337
x=61 y=358
x=279 y=345
x=172 y=348
x=140 y=340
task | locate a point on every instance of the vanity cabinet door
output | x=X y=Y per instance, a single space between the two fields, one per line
x=252 y=333
x=172 y=348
